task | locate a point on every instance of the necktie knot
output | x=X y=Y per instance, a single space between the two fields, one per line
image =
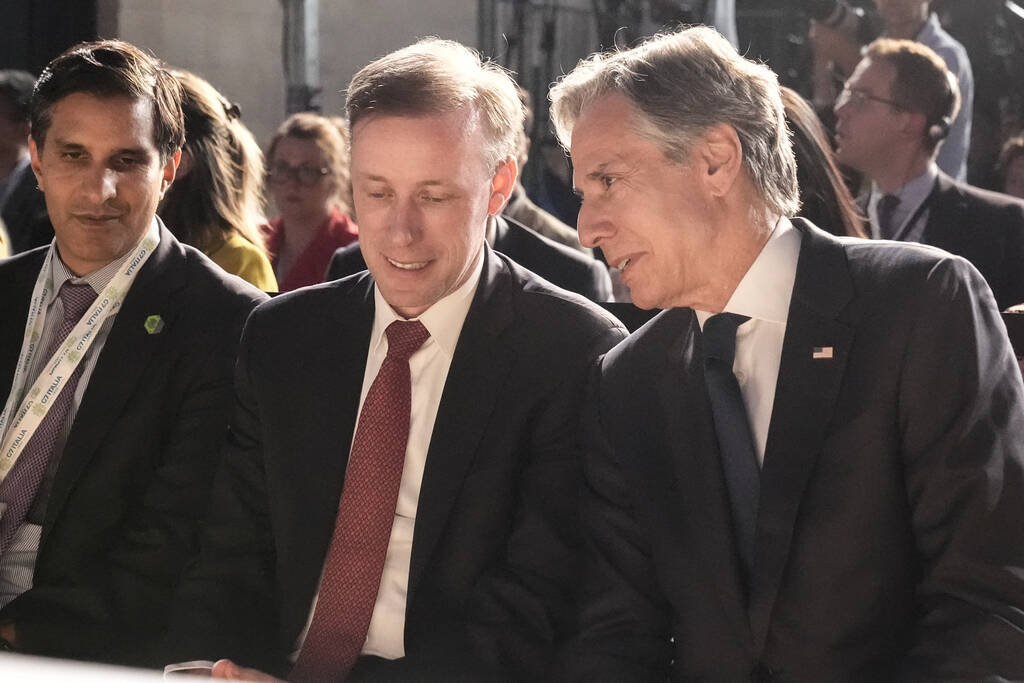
x=886 y=210
x=720 y=336
x=76 y=299
x=404 y=338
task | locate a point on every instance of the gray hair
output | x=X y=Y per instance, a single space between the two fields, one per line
x=435 y=76
x=681 y=85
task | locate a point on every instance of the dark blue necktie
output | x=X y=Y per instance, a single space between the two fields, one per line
x=735 y=444
x=886 y=212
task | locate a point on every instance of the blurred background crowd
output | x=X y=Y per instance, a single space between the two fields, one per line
x=263 y=188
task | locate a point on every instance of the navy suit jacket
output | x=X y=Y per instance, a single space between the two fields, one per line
x=889 y=540
x=556 y=263
x=132 y=482
x=986 y=228
x=495 y=538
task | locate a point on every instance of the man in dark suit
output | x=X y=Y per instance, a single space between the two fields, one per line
x=471 y=478
x=892 y=117
x=22 y=207
x=809 y=468
x=116 y=350
x=554 y=262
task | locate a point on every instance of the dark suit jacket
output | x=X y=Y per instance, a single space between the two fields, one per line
x=521 y=209
x=133 y=479
x=494 y=543
x=889 y=538
x=556 y=263
x=25 y=215
x=986 y=228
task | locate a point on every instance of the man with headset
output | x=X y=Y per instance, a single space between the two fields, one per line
x=892 y=117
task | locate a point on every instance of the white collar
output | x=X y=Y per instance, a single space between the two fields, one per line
x=913 y=192
x=99 y=278
x=443 y=320
x=766 y=287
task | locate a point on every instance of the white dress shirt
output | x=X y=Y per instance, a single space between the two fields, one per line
x=763 y=294
x=428 y=368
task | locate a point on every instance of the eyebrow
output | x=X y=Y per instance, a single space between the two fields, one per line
x=372 y=177
x=67 y=144
x=598 y=172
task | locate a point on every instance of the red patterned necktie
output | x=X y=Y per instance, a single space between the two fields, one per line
x=355 y=560
x=21 y=485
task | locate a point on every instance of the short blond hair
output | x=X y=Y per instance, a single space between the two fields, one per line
x=435 y=76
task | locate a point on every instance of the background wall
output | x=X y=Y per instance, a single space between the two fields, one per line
x=236 y=44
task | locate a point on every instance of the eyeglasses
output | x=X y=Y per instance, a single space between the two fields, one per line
x=307 y=176
x=858 y=98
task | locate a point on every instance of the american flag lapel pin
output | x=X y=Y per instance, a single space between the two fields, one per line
x=822 y=352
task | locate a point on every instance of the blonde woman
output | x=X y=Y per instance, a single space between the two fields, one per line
x=216 y=201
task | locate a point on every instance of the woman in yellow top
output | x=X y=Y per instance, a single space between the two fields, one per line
x=216 y=201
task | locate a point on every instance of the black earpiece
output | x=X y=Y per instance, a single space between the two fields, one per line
x=939 y=130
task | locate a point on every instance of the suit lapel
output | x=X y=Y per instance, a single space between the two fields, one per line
x=477 y=373
x=804 y=400
x=693 y=471
x=342 y=343
x=945 y=205
x=121 y=365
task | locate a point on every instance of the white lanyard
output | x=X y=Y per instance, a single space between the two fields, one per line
x=18 y=427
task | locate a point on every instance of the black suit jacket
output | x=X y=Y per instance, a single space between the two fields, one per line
x=556 y=263
x=24 y=214
x=889 y=543
x=986 y=228
x=133 y=479
x=495 y=537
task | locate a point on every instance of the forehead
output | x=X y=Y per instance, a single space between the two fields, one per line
x=115 y=122
x=450 y=140
x=604 y=132
x=873 y=76
x=292 y=148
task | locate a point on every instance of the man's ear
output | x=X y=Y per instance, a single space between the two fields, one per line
x=170 y=168
x=185 y=164
x=914 y=124
x=721 y=154
x=34 y=154
x=502 y=184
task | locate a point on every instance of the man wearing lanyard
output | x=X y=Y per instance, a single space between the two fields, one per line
x=892 y=117
x=397 y=500
x=116 y=349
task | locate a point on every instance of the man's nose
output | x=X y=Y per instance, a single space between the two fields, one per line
x=592 y=227
x=99 y=185
x=404 y=221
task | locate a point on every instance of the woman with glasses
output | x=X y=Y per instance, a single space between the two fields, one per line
x=216 y=201
x=308 y=180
